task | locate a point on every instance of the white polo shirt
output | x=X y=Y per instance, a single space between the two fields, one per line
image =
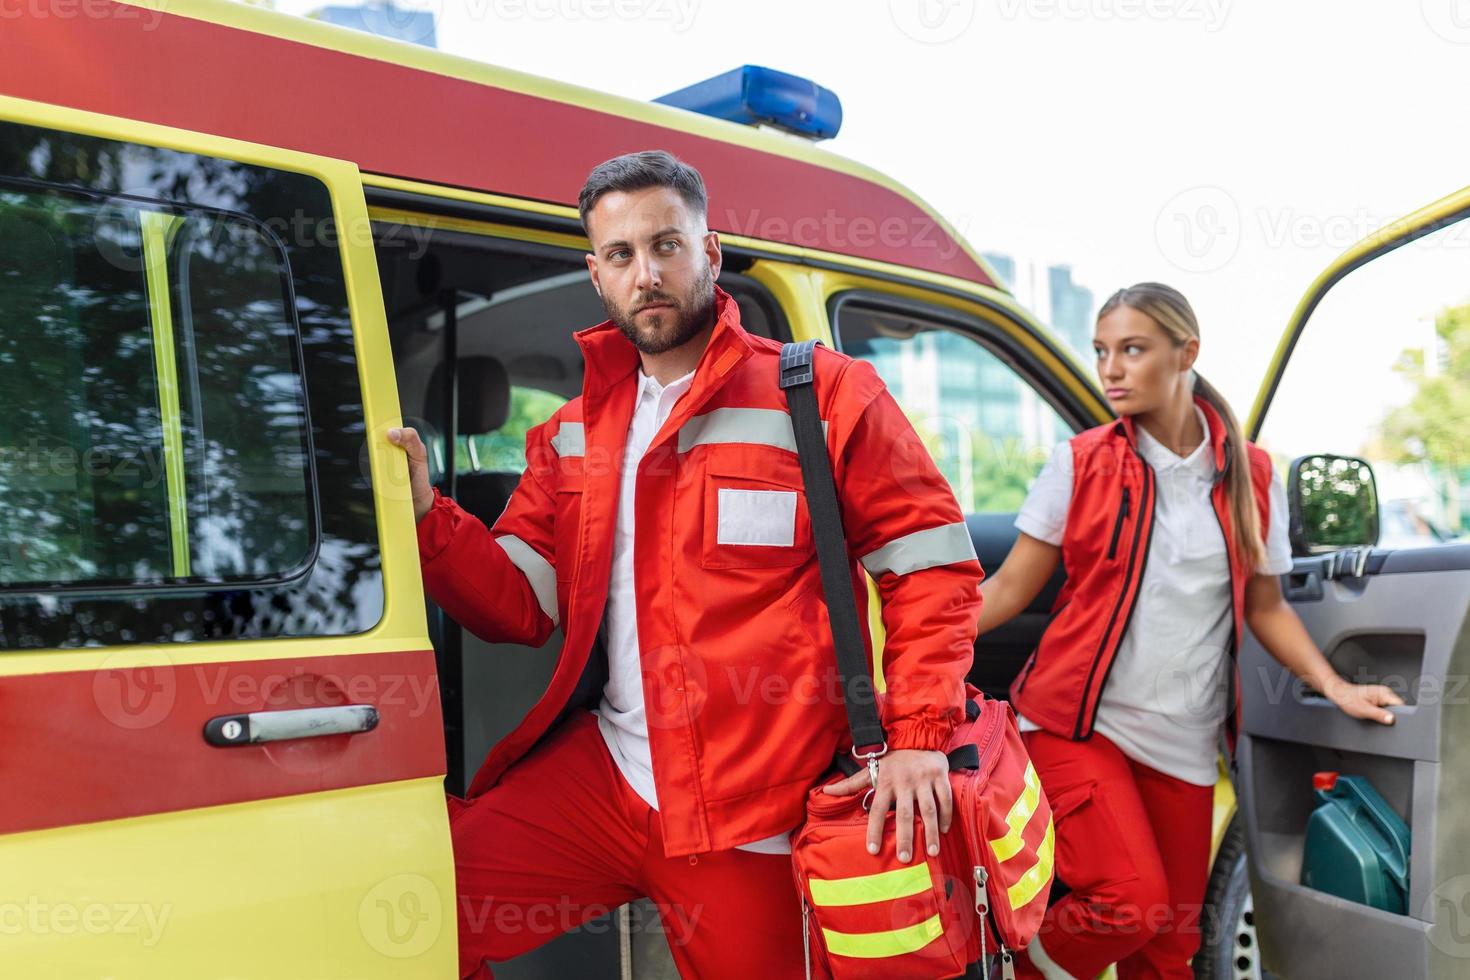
x=1165 y=697
x=621 y=717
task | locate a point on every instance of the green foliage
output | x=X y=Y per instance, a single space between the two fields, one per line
x=1337 y=509
x=1431 y=427
x=504 y=450
x=987 y=475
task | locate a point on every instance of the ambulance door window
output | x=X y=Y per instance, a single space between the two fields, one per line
x=989 y=431
x=156 y=422
x=177 y=361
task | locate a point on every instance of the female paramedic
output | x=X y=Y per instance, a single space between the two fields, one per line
x=1172 y=529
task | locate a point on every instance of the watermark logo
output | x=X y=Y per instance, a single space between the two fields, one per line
x=137 y=696
x=402 y=916
x=1448 y=907
x=1450 y=19
x=1199 y=229
x=932 y=21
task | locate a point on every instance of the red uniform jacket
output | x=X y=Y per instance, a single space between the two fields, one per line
x=1104 y=550
x=739 y=673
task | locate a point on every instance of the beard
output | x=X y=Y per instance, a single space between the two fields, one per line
x=670 y=328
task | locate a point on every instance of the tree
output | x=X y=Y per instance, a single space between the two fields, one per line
x=1431 y=427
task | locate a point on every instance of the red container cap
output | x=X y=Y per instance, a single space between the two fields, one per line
x=1324 y=781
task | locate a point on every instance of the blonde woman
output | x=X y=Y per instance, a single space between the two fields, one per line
x=1172 y=530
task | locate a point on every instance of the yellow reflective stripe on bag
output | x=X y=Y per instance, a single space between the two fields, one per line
x=1039 y=875
x=1020 y=814
x=876 y=945
x=862 y=889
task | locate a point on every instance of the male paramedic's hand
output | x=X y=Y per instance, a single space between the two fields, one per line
x=418 y=469
x=907 y=778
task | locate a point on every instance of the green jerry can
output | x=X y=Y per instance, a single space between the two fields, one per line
x=1357 y=847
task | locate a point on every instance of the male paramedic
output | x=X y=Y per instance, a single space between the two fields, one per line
x=661 y=524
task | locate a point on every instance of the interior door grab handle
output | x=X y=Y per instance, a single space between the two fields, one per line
x=275 y=726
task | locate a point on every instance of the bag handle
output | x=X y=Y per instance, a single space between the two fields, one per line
x=798 y=380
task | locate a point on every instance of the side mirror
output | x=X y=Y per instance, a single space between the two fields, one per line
x=1334 y=504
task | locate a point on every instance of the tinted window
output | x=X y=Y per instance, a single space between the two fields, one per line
x=183 y=451
x=988 y=430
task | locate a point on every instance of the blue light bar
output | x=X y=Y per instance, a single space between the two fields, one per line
x=751 y=94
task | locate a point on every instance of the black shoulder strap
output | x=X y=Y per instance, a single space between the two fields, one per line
x=797 y=378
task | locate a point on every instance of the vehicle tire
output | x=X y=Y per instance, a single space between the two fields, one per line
x=1228 y=949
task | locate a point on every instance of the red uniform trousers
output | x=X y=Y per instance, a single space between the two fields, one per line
x=563 y=839
x=1134 y=846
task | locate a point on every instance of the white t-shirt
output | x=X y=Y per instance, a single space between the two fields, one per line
x=1165 y=697
x=621 y=717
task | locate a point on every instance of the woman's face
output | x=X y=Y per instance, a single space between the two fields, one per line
x=1139 y=366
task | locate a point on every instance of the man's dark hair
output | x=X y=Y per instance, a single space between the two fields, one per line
x=640 y=171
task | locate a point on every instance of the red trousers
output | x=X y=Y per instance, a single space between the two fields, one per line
x=562 y=839
x=1134 y=846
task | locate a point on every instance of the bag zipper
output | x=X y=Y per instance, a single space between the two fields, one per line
x=990 y=754
x=806 y=937
x=1118 y=527
x=982 y=912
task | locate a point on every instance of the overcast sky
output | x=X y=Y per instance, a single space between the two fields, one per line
x=1231 y=148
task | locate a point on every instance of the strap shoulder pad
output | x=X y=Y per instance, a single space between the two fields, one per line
x=796 y=363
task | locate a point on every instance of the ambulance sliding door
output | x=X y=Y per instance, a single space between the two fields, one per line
x=223 y=746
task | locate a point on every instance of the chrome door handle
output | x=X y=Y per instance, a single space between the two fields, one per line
x=275 y=726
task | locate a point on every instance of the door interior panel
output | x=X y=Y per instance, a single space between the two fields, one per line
x=1405 y=627
x=1000 y=654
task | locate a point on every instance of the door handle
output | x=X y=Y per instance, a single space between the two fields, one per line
x=1304 y=585
x=274 y=726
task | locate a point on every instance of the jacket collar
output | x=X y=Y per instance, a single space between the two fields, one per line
x=611 y=358
x=1217 y=434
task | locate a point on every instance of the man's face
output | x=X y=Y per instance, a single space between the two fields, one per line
x=654 y=265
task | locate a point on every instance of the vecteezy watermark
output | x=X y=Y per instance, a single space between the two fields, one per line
x=402 y=916
x=1450 y=19
x=554 y=916
x=37 y=917
x=932 y=21
x=678 y=14
x=1428 y=690
x=150 y=14
x=1199 y=229
x=836 y=231
x=136 y=695
x=43 y=455
x=117 y=236
x=1209 y=13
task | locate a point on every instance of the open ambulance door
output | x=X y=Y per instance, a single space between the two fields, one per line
x=1372 y=366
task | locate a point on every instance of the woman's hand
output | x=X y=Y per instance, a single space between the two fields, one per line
x=1281 y=632
x=908 y=779
x=1365 y=701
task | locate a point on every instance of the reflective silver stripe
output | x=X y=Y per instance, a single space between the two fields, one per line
x=570 y=440
x=943 y=545
x=538 y=572
x=759 y=426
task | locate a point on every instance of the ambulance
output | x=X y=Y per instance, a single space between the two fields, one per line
x=235 y=248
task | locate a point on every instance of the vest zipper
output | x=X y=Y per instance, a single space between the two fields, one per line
x=1128 y=580
x=1118 y=527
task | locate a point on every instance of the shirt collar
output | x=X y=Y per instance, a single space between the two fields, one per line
x=648 y=383
x=1200 y=461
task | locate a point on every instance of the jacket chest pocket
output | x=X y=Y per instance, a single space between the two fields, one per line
x=755 y=521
